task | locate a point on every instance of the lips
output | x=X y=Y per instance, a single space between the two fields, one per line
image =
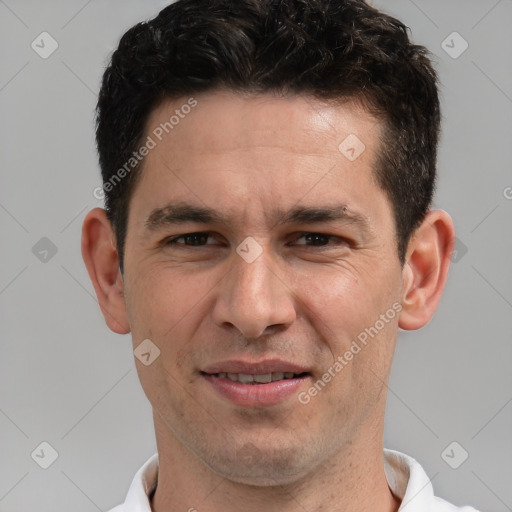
x=256 y=384
x=264 y=378
x=255 y=368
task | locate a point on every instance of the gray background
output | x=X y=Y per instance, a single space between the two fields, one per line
x=67 y=380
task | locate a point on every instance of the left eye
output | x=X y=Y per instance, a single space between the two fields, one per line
x=191 y=239
x=315 y=239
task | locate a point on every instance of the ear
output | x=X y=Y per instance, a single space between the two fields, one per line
x=102 y=261
x=426 y=268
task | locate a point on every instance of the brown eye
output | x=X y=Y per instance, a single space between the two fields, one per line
x=191 y=239
x=316 y=239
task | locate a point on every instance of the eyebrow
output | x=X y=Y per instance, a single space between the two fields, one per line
x=311 y=215
x=179 y=213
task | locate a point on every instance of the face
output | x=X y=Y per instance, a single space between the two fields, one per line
x=256 y=247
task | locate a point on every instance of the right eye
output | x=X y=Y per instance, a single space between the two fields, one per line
x=191 y=239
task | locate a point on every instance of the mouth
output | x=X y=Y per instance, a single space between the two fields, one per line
x=256 y=384
x=263 y=378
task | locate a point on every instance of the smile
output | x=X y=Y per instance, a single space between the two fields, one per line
x=264 y=378
x=256 y=390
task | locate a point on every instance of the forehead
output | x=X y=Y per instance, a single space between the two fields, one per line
x=230 y=149
x=224 y=120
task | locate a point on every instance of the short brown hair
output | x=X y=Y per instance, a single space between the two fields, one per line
x=330 y=49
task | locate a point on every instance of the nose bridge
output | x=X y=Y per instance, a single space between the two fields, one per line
x=252 y=297
x=252 y=280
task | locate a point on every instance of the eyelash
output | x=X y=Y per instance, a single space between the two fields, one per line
x=338 y=240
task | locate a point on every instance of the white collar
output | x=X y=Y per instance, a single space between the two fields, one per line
x=406 y=479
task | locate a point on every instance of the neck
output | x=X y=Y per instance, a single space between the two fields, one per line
x=351 y=480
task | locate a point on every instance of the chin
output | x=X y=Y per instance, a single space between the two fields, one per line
x=256 y=467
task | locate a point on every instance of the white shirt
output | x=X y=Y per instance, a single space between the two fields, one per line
x=406 y=479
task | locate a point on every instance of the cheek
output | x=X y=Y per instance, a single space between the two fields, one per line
x=157 y=300
x=169 y=307
x=346 y=308
x=338 y=300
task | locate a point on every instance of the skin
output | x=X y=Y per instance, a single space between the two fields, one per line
x=244 y=156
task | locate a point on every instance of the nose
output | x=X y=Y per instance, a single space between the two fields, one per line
x=253 y=298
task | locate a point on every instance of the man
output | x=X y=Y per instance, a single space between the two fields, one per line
x=268 y=168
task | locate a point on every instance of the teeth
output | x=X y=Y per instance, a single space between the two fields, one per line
x=265 y=378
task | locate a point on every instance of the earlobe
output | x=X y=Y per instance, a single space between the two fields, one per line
x=102 y=261
x=426 y=269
